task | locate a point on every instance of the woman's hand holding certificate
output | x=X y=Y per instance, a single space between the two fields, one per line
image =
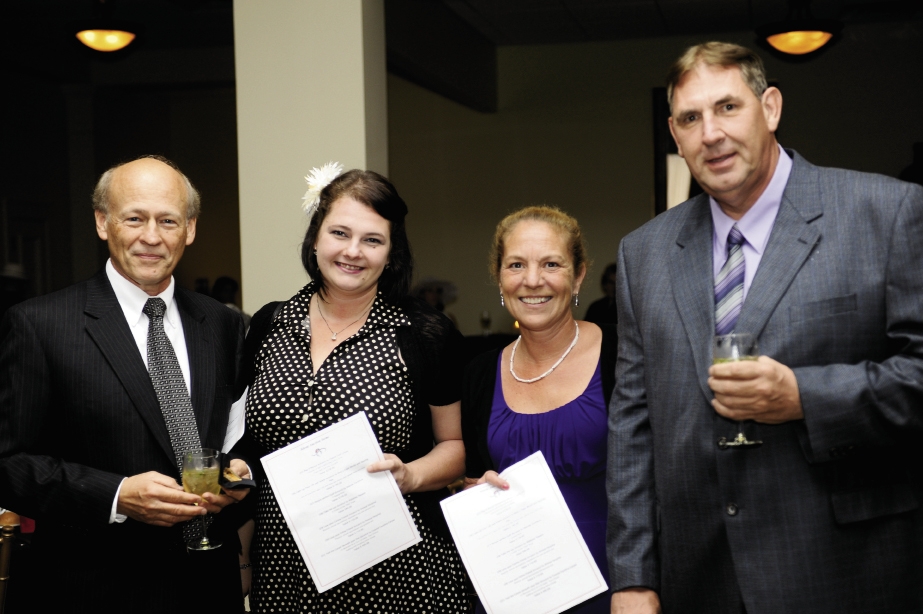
x=521 y=546
x=343 y=518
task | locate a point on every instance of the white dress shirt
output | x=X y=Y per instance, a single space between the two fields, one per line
x=132 y=300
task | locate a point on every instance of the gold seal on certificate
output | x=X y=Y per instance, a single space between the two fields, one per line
x=343 y=518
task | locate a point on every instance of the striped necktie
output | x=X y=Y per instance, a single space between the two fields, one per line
x=729 y=285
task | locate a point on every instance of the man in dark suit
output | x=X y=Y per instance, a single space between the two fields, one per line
x=819 y=508
x=85 y=444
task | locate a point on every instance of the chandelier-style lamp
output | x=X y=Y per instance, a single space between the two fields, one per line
x=103 y=33
x=800 y=33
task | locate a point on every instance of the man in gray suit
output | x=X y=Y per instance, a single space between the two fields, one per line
x=820 y=509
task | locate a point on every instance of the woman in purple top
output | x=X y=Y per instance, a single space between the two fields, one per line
x=549 y=390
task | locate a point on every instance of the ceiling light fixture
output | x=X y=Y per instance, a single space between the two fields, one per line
x=102 y=33
x=105 y=40
x=800 y=33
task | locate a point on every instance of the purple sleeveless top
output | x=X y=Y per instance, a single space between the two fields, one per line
x=573 y=440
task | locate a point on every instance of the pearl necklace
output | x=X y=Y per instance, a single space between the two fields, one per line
x=553 y=367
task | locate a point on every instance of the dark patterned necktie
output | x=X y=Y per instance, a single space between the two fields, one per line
x=175 y=404
x=729 y=285
x=169 y=384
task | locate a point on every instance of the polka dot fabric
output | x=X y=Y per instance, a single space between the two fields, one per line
x=287 y=403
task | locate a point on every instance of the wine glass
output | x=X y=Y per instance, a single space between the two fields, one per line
x=731 y=348
x=200 y=475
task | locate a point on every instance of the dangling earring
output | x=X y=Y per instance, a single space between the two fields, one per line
x=502 y=304
x=576 y=299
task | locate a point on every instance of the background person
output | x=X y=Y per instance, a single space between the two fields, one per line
x=352 y=340
x=603 y=311
x=553 y=395
x=823 y=265
x=438 y=294
x=87 y=445
x=224 y=290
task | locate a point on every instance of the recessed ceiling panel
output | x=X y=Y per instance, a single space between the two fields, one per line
x=689 y=16
x=607 y=20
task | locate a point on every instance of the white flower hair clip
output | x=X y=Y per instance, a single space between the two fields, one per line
x=318 y=179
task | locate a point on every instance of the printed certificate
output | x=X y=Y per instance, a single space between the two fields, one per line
x=521 y=546
x=343 y=518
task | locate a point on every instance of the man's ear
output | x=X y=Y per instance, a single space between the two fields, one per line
x=101 y=225
x=772 y=107
x=190 y=231
x=679 y=148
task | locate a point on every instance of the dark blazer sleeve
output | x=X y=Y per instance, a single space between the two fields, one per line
x=608 y=354
x=248 y=447
x=477 y=393
x=260 y=325
x=35 y=481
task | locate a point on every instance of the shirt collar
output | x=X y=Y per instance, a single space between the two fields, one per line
x=757 y=222
x=132 y=298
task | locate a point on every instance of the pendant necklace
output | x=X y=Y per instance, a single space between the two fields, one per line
x=553 y=367
x=334 y=337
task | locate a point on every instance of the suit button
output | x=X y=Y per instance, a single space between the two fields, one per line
x=731 y=509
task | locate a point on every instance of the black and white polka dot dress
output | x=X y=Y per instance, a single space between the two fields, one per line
x=286 y=403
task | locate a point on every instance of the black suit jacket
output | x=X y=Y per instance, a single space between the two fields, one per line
x=78 y=413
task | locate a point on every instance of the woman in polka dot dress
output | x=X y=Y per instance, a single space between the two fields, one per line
x=351 y=341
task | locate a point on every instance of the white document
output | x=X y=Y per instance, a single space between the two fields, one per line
x=343 y=518
x=521 y=546
x=237 y=422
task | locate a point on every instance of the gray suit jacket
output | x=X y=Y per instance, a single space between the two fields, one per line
x=826 y=515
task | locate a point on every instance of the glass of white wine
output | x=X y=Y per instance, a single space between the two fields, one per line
x=731 y=348
x=200 y=475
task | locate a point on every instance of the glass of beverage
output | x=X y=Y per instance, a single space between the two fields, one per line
x=200 y=475
x=731 y=348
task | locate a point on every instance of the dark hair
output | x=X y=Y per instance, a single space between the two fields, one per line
x=225 y=289
x=375 y=191
x=611 y=269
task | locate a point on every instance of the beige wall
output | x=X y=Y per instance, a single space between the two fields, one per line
x=574 y=129
x=310 y=78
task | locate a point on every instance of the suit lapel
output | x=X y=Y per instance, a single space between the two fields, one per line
x=201 y=361
x=690 y=264
x=791 y=242
x=109 y=330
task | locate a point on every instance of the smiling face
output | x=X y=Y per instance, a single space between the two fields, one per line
x=726 y=134
x=146 y=227
x=353 y=245
x=537 y=277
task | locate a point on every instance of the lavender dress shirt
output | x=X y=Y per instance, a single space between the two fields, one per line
x=755 y=225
